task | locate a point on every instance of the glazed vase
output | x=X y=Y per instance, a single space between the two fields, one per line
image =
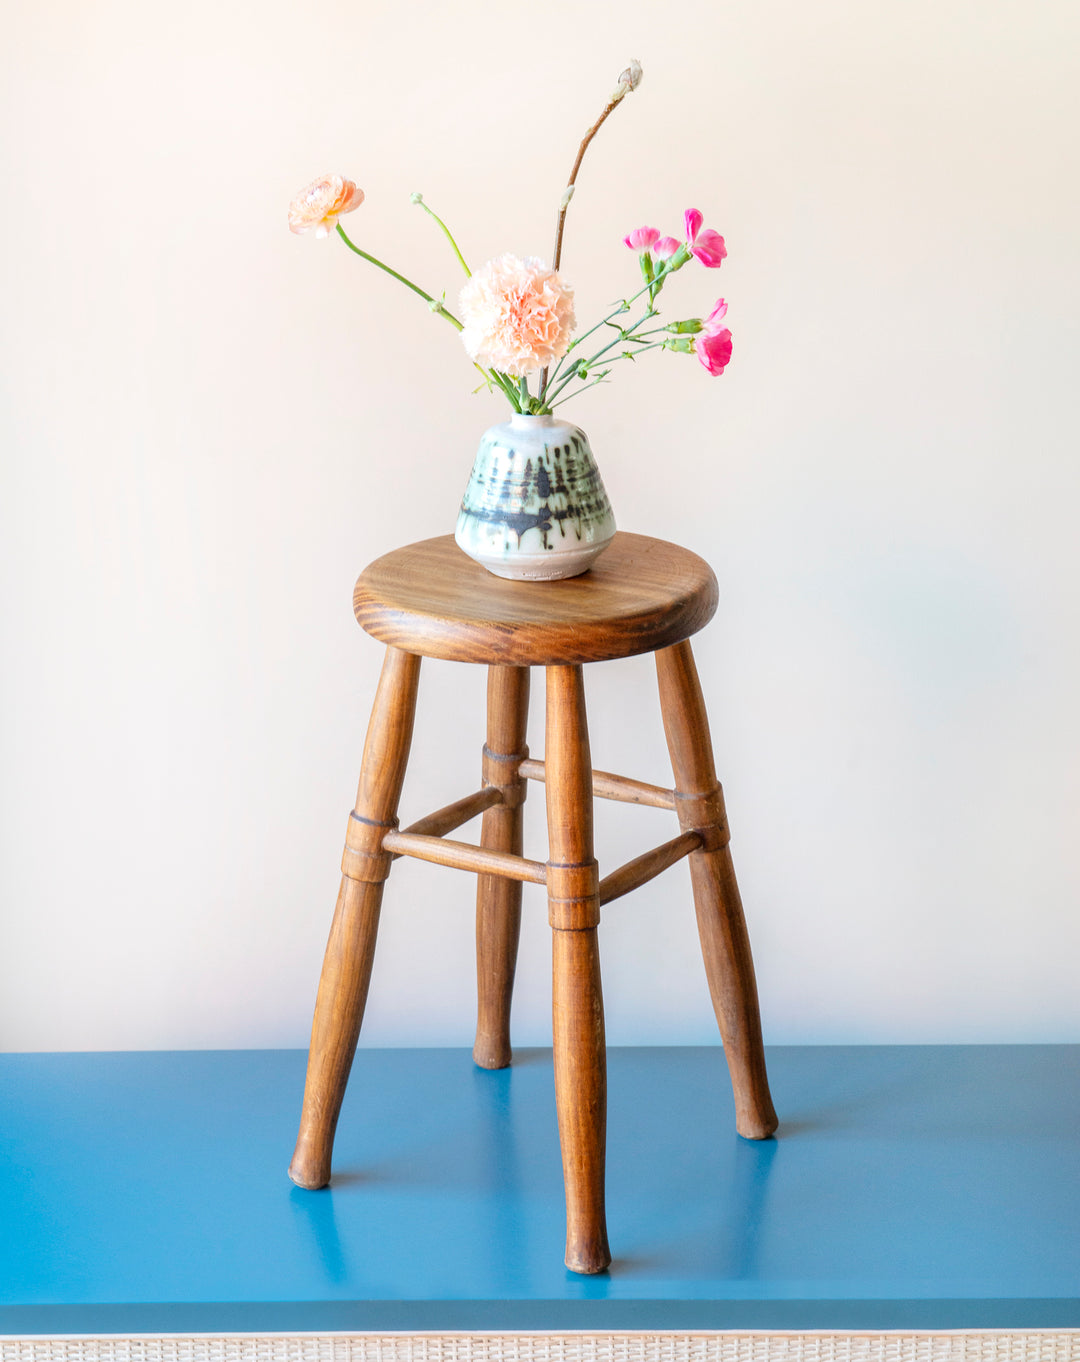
x=535 y=508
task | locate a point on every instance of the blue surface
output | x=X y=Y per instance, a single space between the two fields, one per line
x=910 y=1187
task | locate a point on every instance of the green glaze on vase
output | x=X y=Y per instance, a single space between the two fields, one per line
x=535 y=507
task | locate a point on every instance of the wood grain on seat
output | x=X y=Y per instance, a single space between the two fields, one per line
x=430 y=598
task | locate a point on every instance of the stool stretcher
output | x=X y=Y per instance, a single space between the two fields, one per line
x=605 y=785
x=646 y=867
x=463 y=856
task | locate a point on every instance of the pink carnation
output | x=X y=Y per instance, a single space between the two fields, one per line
x=318 y=207
x=518 y=315
x=713 y=342
x=706 y=244
x=642 y=238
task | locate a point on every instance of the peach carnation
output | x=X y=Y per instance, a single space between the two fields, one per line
x=518 y=315
x=318 y=207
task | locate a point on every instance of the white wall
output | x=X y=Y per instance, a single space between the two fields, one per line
x=210 y=426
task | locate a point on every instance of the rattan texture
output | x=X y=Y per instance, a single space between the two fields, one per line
x=966 y=1346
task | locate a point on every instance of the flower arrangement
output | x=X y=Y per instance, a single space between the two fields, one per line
x=516 y=316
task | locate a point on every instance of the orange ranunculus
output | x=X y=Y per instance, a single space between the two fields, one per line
x=318 y=207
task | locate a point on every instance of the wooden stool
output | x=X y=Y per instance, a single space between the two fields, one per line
x=430 y=600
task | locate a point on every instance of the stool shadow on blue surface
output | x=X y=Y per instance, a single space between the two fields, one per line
x=315 y=1211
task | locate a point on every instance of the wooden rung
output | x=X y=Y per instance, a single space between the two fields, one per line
x=463 y=856
x=644 y=868
x=442 y=821
x=607 y=786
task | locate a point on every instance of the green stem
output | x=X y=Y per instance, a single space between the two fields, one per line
x=624 y=306
x=436 y=306
x=654 y=345
x=508 y=388
x=499 y=378
x=601 y=379
x=449 y=236
x=557 y=388
x=492 y=377
x=626 y=336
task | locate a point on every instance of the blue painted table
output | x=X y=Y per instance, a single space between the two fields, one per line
x=910 y=1187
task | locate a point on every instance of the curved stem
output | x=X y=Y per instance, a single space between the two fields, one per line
x=449 y=236
x=436 y=305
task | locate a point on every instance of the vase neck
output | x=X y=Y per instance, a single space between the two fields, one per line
x=520 y=422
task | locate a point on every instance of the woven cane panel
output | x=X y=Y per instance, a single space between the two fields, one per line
x=979 y=1346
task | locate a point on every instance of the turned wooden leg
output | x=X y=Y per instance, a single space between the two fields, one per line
x=346 y=972
x=577 y=1002
x=721 y=924
x=498 y=900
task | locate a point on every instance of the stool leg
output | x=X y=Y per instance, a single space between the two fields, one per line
x=721 y=924
x=346 y=972
x=577 y=1002
x=498 y=900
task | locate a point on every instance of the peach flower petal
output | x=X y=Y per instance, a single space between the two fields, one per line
x=518 y=315
x=318 y=207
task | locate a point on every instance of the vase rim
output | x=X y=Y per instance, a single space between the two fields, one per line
x=522 y=421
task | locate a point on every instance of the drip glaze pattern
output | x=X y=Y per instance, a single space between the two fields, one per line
x=535 y=507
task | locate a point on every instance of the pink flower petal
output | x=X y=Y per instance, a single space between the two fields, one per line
x=641 y=238
x=713 y=348
x=709 y=248
x=693 y=220
x=665 y=247
x=718 y=312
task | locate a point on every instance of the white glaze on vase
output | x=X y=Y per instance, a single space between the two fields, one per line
x=535 y=508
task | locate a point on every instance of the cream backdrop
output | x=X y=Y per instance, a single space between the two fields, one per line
x=210 y=426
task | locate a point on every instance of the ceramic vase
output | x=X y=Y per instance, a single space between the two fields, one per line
x=535 y=508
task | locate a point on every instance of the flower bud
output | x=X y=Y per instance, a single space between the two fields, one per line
x=416 y=197
x=629 y=80
x=631 y=77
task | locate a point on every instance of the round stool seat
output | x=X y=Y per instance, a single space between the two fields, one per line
x=641 y=595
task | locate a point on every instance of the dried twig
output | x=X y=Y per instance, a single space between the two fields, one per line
x=629 y=80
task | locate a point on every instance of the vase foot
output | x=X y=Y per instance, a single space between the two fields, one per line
x=552 y=566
